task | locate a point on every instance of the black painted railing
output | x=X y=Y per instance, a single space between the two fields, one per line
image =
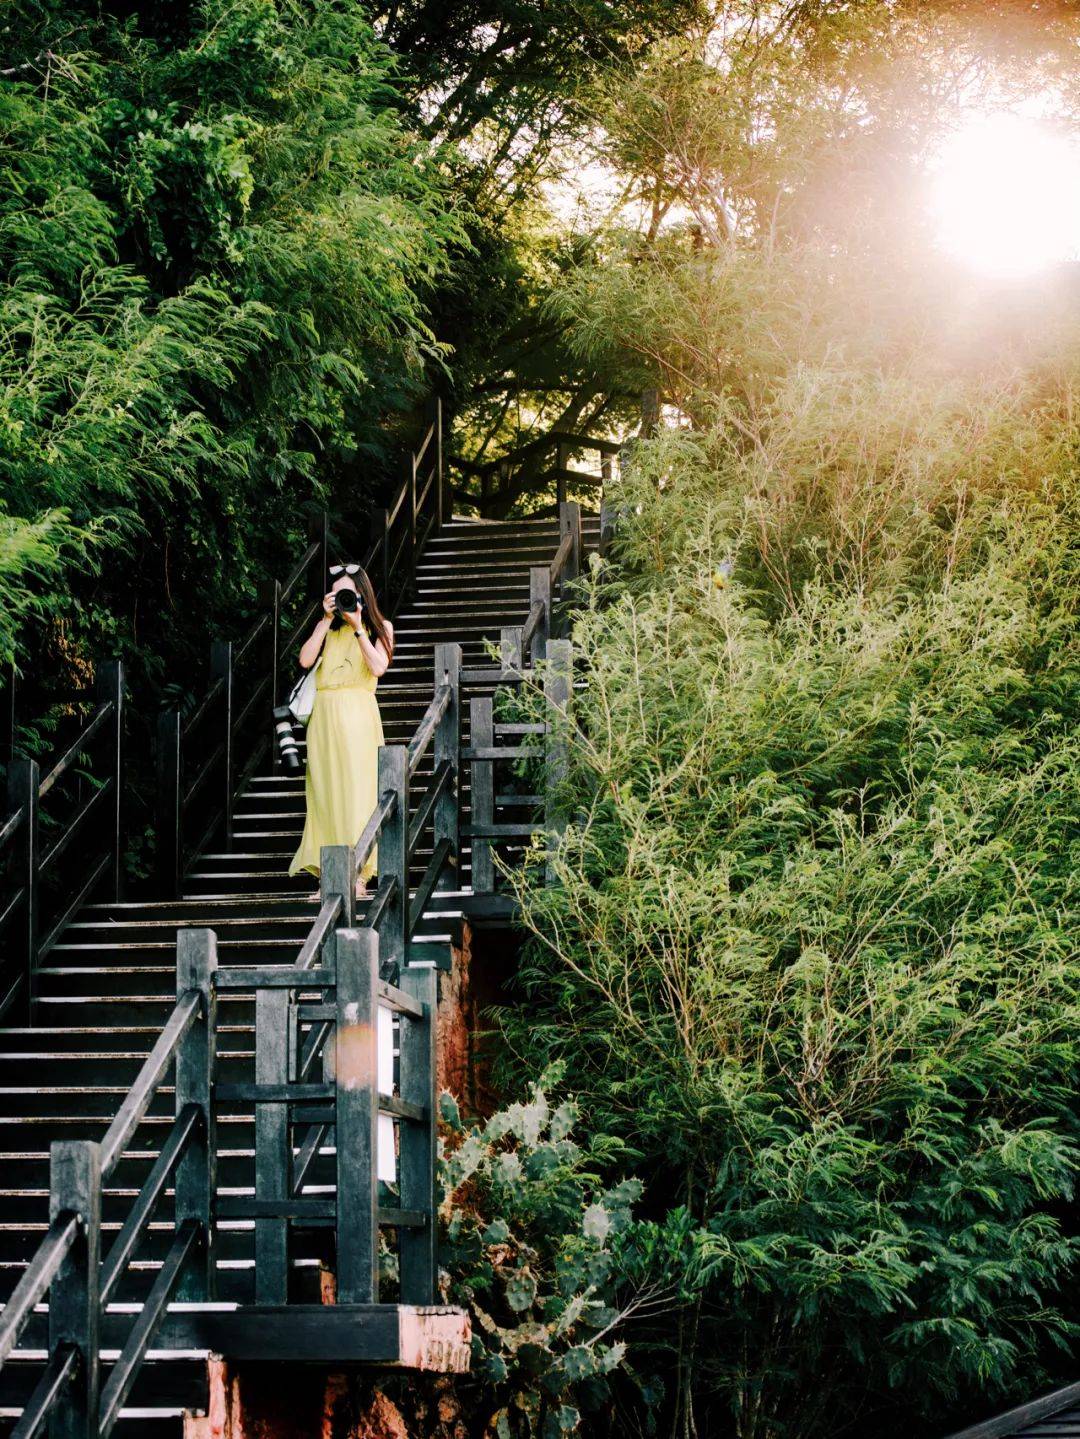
x=36 y=902
x=504 y=818
x=421 y=506
x=317 y=1017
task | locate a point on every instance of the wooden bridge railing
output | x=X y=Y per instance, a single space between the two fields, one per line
x=35 y=905
x=523 y=651
x=317 y=1047
x=318 y=1044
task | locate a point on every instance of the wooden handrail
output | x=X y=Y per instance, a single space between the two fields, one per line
x=441 y=780
x=139 y=1096
x=93 y=803
x=249 y=639
x=562 y=554
x=425 y=730
x=11 y=824
x=36 y=1278
x=528 y=629
x=429 y=435
x=23 y=913
x=202 y=709
x=153 y=1188
x=313 y=552
x=59 y=1373
x=67 y=1266
x=369 y=836
x=125 y=1371
x=71 y=754
x=329 y=913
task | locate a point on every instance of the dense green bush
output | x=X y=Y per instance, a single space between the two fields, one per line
x=814 y=953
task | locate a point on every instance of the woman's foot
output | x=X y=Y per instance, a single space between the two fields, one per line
x=365 y=888
x=315 y=898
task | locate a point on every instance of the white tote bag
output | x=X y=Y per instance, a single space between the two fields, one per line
x=301 y=699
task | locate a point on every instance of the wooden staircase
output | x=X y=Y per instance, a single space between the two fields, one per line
x=106 y=988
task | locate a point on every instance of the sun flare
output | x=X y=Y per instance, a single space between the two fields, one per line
x=1007 y=196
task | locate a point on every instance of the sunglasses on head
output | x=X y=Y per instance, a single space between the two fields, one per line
x=336 y=570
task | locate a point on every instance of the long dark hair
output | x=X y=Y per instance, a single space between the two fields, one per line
x=373 y=619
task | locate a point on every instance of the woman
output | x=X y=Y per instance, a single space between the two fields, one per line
x=353 y=644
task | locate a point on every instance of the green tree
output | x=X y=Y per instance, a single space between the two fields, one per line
x=217 y=241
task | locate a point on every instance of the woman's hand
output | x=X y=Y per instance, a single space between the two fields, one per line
x=329 y=605
x=354 y=617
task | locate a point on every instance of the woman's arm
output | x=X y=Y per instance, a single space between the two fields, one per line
x=375 y=654
x=312 y=646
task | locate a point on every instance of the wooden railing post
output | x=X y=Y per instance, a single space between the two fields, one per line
x=394 y=858
x=482 y=736
x=558 y=688
x=447 y=817
x=380 y=535
x=357 y=1116
x=23 y=780
x=9 y=714
x=607 y=524
x=570 y=524
x=109 y=687
x=444 y=498
x=169 y=817
x=410 y=507
x=74 y=1298
x=273 y=1155
x=540 y=590
x=418 y=1255
x=337 y=876
x=221 y=667
x=196 y=1178
x=510 y=653
x=320 y=531
x=561 y=462
x=271 y=597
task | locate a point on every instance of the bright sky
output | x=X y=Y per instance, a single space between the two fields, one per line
x=1006 y=195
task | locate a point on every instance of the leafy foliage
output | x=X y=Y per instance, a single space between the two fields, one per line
x=216 y=244
x=816 y=930
x=531 y=1245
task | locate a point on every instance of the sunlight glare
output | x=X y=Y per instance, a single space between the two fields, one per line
x=1007 y=196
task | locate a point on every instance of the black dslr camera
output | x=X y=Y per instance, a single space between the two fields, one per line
x=346 y=601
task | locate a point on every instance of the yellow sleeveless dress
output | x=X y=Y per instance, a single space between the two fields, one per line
x=343 y=738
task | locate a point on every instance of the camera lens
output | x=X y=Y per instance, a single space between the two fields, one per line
x=346 y=601
x=287 y=746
